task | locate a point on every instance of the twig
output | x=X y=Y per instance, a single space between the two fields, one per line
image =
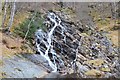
x=29 y=27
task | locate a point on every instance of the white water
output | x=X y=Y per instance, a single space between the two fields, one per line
x=57 y=23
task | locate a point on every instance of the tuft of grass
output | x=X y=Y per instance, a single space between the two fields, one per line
x=103 y=22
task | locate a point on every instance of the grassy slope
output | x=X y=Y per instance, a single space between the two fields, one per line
x=107 y=24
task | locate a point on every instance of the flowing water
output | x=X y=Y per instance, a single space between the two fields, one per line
x=49 y=37
x=65 y=47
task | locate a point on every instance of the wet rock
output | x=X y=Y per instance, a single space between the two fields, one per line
x=69 y=46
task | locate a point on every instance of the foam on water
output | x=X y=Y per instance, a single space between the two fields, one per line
x=40 y=35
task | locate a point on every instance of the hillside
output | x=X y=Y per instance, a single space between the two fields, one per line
x=60 y=39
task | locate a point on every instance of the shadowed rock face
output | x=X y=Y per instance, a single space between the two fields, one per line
x=66 y=47
x=57 y=45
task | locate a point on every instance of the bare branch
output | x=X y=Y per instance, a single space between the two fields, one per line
x=29 y=26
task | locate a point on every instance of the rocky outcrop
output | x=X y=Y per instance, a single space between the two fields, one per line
x=68 y=48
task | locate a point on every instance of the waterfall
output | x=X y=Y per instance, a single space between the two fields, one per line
x=40 y=36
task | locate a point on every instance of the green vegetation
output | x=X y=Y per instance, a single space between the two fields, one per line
x=35 y=24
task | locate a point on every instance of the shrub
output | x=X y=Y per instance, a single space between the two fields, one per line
x=35 y=24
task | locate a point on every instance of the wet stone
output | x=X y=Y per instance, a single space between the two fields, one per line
x=67 y=44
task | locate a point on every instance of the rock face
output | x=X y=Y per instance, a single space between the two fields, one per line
x=69 y=47
x=20 y=67
x=66 y=47
x=57 y=45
